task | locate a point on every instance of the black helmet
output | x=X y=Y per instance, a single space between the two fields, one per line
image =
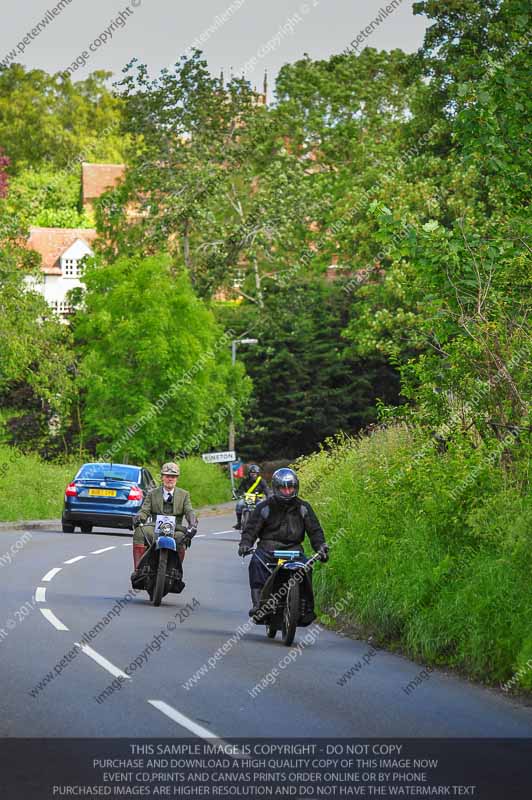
x=285 y=484
x=253 y=469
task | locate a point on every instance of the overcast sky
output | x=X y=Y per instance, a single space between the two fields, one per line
x=255 y=35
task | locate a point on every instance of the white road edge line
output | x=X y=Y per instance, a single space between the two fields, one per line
x=50 y=575
x=52 y=619
x=103 y=550
x=73 y=560
x=185 y=722
x=199 y=536
x=103 y=662
x=128 y=544
x=220 y=533
x=40 y=594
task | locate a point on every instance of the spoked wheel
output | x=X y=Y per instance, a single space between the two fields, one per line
x=271 y=631
x=291 y=614
x=161 y=578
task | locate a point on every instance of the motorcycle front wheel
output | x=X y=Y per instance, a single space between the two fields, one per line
x=161 y=578
x=291 y=615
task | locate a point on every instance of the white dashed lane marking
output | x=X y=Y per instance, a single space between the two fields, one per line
x=103 y=662
x=103 y=550
x=40 y=594
x=73 y=560
x=52 y=619
x=185 y=722
x=50 y=575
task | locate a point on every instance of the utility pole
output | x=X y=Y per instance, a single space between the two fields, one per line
x=234 y=345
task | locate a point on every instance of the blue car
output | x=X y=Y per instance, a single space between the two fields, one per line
x=106 y=495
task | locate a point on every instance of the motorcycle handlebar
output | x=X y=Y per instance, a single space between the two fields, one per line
x=312 y=559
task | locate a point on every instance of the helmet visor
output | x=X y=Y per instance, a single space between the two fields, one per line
x=287 y=491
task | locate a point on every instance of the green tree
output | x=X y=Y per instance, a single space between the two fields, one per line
x=307 y=384
x=35 y=348
x=155 y=368
x=48 y=198
x=46 y=120
x=209 y=173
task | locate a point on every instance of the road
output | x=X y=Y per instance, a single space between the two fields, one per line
x=84 y=656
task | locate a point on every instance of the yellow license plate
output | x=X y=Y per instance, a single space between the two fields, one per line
x=102 y=492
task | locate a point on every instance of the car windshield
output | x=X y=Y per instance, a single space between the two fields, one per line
x=114 y=472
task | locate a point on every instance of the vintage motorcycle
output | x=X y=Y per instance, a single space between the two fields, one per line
x=250 y=499
x=287 y=599
x=160 y=570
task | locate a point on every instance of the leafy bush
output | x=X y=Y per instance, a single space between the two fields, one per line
x=435 y=546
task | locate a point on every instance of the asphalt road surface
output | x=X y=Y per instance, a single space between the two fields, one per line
x=189 y=668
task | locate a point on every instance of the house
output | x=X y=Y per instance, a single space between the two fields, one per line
x=61 y=251
x=97 y=179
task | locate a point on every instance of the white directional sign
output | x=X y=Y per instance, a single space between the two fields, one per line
x=219 y=458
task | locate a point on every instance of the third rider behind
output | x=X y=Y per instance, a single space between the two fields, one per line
x=279 y=523
x=254 y=482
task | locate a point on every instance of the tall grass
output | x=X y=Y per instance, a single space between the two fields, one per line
x=34 y=489
x=31 y=488
x=448 y=580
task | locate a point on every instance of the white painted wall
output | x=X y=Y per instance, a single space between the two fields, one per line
x=54 y=288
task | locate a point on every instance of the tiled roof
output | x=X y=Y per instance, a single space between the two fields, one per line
x=51 y=243
x=97 y=178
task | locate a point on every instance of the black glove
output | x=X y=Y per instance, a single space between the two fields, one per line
x=324 y=553
x=137 y=520
x=189 y=535
x=243 y=549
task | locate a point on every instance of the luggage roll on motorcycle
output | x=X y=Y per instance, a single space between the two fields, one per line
x=160 y=570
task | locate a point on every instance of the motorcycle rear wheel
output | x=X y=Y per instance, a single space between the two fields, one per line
x=161 y=578
x=291 y=615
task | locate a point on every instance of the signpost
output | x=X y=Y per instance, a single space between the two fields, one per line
x=228 y=456
x=219 y=458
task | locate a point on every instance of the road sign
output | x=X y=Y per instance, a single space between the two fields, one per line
x=219 y=458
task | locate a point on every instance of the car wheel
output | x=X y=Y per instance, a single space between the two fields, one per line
x=67 y=528
x=86 y=528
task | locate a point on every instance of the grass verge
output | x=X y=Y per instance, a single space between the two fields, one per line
x=34 y=489
x=436 y=548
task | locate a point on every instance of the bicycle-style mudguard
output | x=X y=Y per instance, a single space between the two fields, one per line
x=273 y=585
x=165 y=543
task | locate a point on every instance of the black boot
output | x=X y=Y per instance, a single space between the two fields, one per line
x=238 y=526
x=255 y=599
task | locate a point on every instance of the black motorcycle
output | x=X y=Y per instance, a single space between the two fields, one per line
x=160 y=571
x=287 y=599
